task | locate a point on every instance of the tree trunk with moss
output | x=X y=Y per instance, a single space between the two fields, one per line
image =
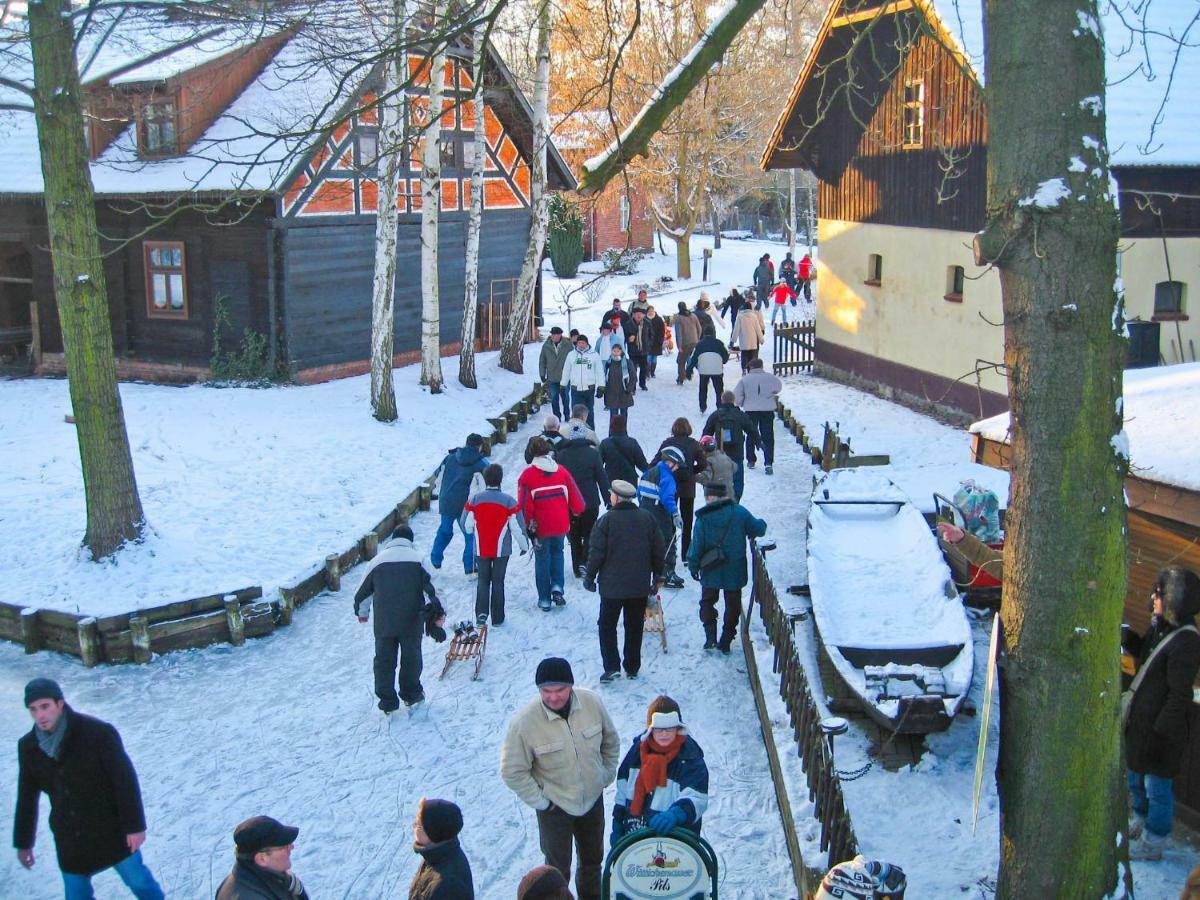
x=114 y=510
x=1052 y=233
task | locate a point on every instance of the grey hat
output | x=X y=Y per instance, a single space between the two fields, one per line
x=623 y=489
x=42 y=689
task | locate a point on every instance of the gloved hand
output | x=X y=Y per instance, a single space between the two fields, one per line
x=599 y=393
x=678 y=522
x=663 y=822
x=589 y=585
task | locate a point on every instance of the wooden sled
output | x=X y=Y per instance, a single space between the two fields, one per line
x=655 y=623
x=467 y=646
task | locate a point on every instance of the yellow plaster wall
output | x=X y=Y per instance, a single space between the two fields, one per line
x=1143 y=264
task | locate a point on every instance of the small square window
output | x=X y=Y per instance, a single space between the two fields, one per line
x=955 y=276
x=914 y=113
x=166 y=279
x=1168 y=298
x=874 y=269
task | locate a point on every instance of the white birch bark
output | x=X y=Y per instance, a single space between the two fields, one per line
x=511 y=354
x=792 y=212
x=466 y=358
x=431 y=204
x=390 y=147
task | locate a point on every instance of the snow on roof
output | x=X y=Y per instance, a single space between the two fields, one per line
x=1153 y=67
x=1161 y=424
x=188 y=57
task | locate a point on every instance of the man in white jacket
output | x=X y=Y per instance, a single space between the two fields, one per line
x=581 y=374
x=756 y=394
x=560 y=753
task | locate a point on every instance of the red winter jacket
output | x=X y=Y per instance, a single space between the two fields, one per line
x=805 y=270
x=495 y=519
x=549 y=497
x=781 y=294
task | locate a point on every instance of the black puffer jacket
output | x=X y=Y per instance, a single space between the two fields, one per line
x=396 y=585
x=248 y=881
x=623 y=458
x=732 y=428
x=1156 y=734
x=626 y=552
x=95 y=800
x=581 y=458
x=445 y=873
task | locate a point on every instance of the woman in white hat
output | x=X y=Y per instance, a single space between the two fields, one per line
x=662 y=782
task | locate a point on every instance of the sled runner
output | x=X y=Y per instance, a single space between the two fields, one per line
x=655 y=623
x=469 y=643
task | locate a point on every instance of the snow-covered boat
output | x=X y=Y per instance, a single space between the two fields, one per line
x=891 y=621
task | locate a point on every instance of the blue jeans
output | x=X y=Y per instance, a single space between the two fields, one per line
x=588 y=399
x=559 y=397
x=739 y=479
x=548 y=566
x=779 y=308
x=132 y=871
x=441 y=541
x=1152 y=798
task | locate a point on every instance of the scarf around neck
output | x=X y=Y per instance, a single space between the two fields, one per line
x=51 y=741
x=653 y=774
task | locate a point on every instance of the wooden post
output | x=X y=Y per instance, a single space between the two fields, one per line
x=89 y=642
x=370 y=543
x=287 y=606
x=30 y=636
x=139 y=634
x=333 y=573
x=523 y=411
x=233 y=614
x=513 y=420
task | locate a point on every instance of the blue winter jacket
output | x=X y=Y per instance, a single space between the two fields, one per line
x=657 y=485
x=725 y=524
x=458 y=468
x=687 y=788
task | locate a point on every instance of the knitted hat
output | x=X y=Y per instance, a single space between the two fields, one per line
x=624 y=489
x=42 y=689
x=402 y=533
x=553 y=671
x=543 y=883
x=441 y=819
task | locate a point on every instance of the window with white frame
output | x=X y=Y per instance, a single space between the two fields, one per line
x=166 y=279
x=158 y=128
x=914 y=113
x=624 y=212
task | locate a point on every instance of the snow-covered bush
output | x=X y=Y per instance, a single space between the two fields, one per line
x=622 y=260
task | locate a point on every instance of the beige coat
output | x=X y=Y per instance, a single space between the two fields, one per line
x=748 y=330
x=568 y=762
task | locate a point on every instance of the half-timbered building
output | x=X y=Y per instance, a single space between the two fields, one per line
x=236 y=180
x=889 y=112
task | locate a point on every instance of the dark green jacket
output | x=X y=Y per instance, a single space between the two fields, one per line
x=728 y=525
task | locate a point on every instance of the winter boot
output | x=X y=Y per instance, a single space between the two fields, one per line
x=673 y=580
x=544 y=605
x=1137 y=824
x=610 y=676
x=770 y=470
x=724 y=642
x=481 y=619
x=1147 y=848
x=710 y=635
x=558 y=598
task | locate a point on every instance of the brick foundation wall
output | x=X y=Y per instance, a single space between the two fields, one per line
x=319 y=374
x=55 y=364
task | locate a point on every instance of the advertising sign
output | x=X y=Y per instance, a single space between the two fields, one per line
x=645 y=866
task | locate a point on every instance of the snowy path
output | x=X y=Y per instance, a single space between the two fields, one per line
x=287 y=726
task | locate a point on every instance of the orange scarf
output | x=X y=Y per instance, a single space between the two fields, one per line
x=653 y=774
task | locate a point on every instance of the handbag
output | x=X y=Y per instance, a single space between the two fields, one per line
x=1127 y=695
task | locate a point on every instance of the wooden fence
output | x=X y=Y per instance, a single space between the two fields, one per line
x=834 y=451
x=795 y=348
x=824 y=785
x=219 y=618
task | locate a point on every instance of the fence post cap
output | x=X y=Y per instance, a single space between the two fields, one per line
x=834 y=725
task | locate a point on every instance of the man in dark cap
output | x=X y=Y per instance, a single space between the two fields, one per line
x=400 y=588
x=263 y=867
x=552 y=760
x=550 y=369
x=445 y=873
x=96 y=810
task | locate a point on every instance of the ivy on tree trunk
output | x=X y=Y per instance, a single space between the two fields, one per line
x=114 y=510
x=1052 y=233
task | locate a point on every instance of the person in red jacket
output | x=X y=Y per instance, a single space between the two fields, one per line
x=780 y=295
x=805 y=272
x=548 y=497
x=494 y=517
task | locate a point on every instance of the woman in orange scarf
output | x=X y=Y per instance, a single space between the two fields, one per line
x=662 y=782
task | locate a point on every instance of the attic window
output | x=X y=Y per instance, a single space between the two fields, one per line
x=914 y=113
x=157 y=132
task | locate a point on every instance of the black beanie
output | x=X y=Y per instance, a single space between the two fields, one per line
x=42 y=689
x=553 y=670
x=402 y=533
x=441 y=819
x=543 y=883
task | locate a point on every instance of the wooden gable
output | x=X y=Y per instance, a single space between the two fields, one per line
x=336 y=181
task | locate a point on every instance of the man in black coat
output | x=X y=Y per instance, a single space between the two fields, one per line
x=626 y=554
x=732 y=428
x=96 y=810
x=399 y=584
x=263 y=866
x=637 y=345
x=1156 y=731
x=445 y=873
x=581 y=458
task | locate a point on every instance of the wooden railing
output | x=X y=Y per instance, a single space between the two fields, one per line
x=219 y=618
x=824 y=785
x=795 y=348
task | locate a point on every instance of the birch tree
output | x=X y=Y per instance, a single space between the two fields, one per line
x=466 y=358
x=512 y=353
x=792 y=212
x=391 y=112
x=114 y=509
x=431 y=206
